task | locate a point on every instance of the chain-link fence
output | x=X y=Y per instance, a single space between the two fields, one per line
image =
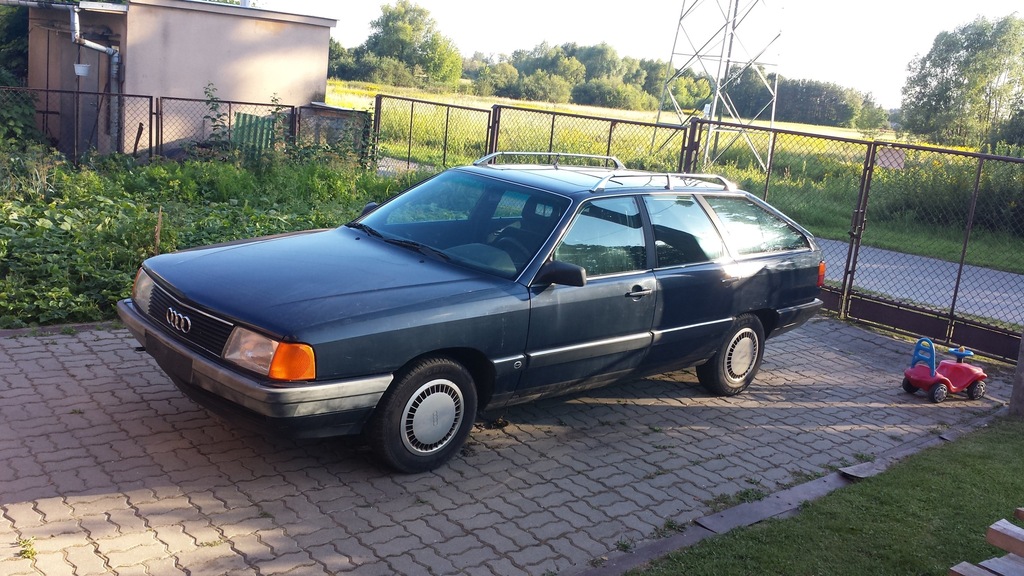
x=638 y=144
x=415 y=134
x=922 y=240
x=187 y=125
x=79 y=122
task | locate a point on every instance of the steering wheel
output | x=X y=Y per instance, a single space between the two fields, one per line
x=515 y=249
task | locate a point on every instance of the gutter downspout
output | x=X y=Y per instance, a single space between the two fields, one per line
x=115 y=69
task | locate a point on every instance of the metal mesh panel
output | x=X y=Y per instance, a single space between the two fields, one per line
x=186 y=123
x=413 y=134
x=77 y=123
x=637 y=144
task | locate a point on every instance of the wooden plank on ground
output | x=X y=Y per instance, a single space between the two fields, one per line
x=1007 y=536
x=968 y=569
x=1009 y=565
x=1019 y=513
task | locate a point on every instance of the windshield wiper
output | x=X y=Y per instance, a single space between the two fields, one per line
x=364 y=228
x=421 y=248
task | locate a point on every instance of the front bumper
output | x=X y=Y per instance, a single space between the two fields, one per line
x=294 y=409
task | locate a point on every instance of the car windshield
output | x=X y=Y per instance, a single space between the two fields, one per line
x=479 y=222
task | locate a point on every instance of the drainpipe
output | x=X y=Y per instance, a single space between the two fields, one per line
x=76 y=37
x=115 y=67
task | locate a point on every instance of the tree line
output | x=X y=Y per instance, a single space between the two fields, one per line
x=405 y=48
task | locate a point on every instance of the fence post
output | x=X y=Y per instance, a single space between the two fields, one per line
x=1017 y=396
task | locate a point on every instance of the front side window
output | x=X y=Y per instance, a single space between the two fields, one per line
x=607 y=237
x=751 y=229
x=683 y=233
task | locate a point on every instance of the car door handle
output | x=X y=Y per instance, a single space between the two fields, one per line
x=639 y=292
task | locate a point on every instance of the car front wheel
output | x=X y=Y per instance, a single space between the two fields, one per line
x=734 y=366
x=425 y=417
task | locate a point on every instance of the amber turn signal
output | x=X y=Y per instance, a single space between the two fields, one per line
x=293 y=362
x=821 y=274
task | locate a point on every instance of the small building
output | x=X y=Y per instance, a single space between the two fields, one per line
x=166 y=49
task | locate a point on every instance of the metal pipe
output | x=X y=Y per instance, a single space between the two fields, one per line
x=114 y=73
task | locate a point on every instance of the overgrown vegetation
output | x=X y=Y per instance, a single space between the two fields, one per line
x=71 y=238
x=923 y=516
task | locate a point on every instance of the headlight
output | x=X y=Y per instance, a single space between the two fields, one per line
x=278 y=360
x=142 y=291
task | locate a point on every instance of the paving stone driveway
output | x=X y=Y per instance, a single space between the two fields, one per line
x=108 y=469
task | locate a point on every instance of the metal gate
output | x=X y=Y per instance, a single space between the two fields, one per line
x=920 y=240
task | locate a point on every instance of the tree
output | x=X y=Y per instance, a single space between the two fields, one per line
x=601 y=61
x=544 y=87
x=406 y=33
x=14 y=41
x=965 y=87
x=500 y=79
x=872 y=117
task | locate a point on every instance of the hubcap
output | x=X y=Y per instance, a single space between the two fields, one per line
x=741 y=354
x=432 y=416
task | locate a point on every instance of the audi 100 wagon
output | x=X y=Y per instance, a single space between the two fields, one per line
x=481 y=287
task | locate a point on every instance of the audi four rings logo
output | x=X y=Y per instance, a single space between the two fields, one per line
x=178 y=321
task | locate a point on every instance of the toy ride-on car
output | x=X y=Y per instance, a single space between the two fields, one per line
x=949 y=378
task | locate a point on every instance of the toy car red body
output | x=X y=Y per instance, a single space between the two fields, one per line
x=949 y=378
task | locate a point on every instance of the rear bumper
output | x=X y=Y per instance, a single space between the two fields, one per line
x=795 y=316
x=296 y=410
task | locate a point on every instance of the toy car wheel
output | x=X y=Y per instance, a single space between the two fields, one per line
x=939 y=392
x=908 y=387
x=976 y=391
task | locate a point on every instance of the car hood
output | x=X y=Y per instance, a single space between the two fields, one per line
x=293 y=285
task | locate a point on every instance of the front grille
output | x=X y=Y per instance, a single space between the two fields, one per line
x=205 y=331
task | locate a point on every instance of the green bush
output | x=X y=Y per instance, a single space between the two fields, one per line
x=72 y=238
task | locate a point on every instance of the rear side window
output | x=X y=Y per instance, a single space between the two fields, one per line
x=683 y=233
x=751 y=229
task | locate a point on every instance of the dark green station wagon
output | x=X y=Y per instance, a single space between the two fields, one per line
x=484 y=286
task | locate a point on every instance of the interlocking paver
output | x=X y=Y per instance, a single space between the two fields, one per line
x=112 y=470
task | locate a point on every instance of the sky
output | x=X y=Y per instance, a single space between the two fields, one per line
x=864 y=44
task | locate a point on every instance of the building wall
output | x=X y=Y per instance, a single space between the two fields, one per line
x=170 y=49
x=175 y=48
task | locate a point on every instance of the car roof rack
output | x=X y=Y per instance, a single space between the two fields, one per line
x=728 y=185
x=488 y=160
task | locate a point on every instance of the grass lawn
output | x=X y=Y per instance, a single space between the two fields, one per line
x=922 y=516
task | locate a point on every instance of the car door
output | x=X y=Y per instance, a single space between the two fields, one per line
x=695 y=283
x=583 y=336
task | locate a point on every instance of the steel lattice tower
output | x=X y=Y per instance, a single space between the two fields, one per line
x=708 y=41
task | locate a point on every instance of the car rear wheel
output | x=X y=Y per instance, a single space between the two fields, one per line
x=425 y=417
x=738 y=359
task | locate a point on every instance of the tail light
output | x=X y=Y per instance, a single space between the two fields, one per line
x=821 y=274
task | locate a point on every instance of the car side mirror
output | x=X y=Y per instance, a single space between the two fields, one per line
x=370 y=207
x=564 y=273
